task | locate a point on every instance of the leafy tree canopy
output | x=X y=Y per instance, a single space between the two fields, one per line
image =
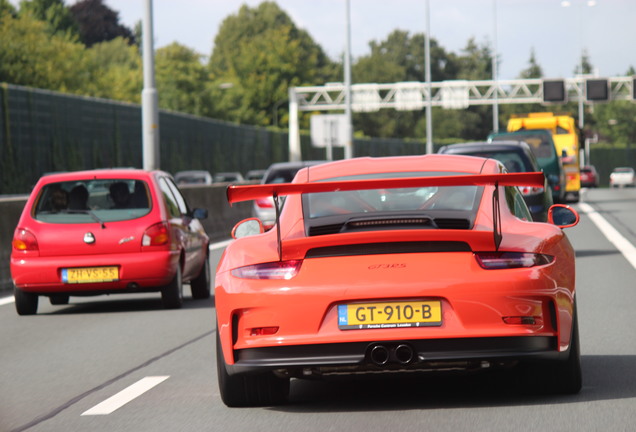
x=98 y=23
x=533 y=70
x=181 y=79
x=31 y=56
x=262 y=53
x=53 y=12
x=7 y=8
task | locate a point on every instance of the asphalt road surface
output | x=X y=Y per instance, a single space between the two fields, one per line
x=123 y=363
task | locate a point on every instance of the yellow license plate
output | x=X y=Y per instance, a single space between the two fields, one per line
x=389 y=315
x=90 y=274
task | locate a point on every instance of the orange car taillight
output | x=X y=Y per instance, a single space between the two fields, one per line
x=24 y=241
x=273 y=270
x=511 y=260
x=157 y=235
x=265 y=202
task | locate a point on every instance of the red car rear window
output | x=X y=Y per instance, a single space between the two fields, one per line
x=82 y=201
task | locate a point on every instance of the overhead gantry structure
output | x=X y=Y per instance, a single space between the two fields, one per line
x=414 y=96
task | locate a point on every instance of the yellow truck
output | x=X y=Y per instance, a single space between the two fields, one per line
x=566 y=139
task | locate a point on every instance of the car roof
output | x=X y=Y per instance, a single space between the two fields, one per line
x=192 y=172
x=460 y=148
x=298 y=164
x=106 y=173
x=523 y=132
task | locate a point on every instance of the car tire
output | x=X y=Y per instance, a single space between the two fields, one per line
x=172 y=294
x=249 y=390
x=557 y=377
x=567 y=375
x=200 y=286
x=59 y=299
x=25 y=303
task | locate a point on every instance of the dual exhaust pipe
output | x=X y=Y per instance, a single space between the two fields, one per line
x=381 y=355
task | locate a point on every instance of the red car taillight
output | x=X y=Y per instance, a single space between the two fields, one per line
x=529 y=190
x=511 y=260
x=265 y=202
x=24 y=241
x=273 y=270
x=157 y=235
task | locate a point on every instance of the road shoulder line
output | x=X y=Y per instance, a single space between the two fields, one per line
x=621 y=243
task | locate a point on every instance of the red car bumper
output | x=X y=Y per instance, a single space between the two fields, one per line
x=147 y=271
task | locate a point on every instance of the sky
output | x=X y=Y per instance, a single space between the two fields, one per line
x=556 y=33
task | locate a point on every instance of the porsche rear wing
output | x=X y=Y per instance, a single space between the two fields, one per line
x=276 y=190
x=251 y=192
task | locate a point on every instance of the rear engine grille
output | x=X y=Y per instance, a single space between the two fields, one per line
x=388 y=248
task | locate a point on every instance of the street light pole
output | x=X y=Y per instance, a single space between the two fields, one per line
x=495 y=106
x=348 y=150
x=149 y=99
x=589 y=3
x=427 y=66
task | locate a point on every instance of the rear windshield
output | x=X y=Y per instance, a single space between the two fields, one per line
x=541 y=146
x=624 y=170
x=411 y=200
x=513 y=161
x=281 y=175
x=92 y=201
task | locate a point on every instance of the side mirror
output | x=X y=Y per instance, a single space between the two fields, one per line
x=247 y=227
x=563 y=216
x=199 y=213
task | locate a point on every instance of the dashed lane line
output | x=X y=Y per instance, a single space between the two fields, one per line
x=125 y=396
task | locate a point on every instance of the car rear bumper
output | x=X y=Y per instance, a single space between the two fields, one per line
x=143 y=271
x=429 y=355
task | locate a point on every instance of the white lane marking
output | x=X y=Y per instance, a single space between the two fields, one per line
x=6 y=300
x=220 y=245
x=125 y=396
x=622 y=244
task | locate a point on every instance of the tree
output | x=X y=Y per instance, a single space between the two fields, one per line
x=475 y=62
x=98 y=23
x=30 y=55
x=533 y=70
x=398 y=58
x=114 y=71
x=53 y=12
x=585 y=63
x=181 y=79
x=258 y=54
x=7 y=8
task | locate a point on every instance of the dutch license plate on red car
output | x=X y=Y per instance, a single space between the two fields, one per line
x=389 y=315
x=90 y=274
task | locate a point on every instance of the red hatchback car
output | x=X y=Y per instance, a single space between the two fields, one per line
x=108 y=231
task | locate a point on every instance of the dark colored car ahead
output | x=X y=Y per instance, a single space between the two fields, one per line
x=516 y=157
x=281 y=172
x=542 y=145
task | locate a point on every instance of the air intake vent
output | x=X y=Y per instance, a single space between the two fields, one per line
x=324 y=229
x=452 y=223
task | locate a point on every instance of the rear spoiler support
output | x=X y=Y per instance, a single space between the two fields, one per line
x=278 y=240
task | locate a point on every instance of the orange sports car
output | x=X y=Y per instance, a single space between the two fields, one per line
x=415 y=263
